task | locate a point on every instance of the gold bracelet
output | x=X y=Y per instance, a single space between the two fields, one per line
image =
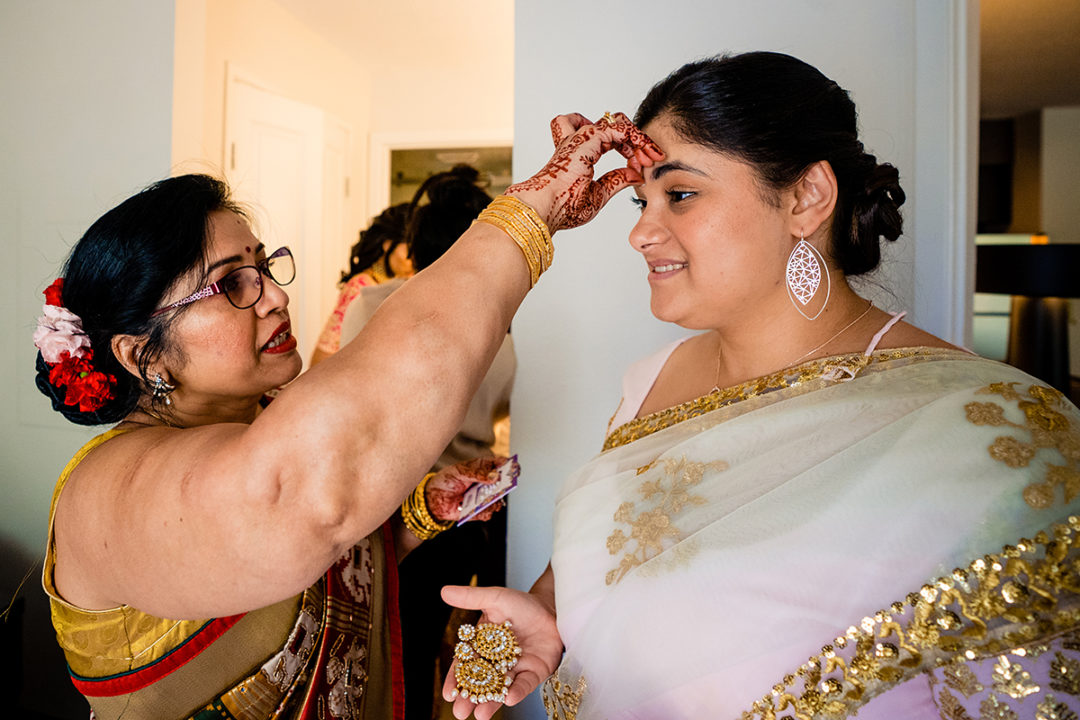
x=526 y=228
x=416 y=515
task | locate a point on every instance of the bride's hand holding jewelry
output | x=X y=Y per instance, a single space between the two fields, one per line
x=533 y=619
x=564 y=192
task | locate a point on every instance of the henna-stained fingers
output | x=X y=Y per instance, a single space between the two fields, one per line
x=563 y=126
x=563 y=192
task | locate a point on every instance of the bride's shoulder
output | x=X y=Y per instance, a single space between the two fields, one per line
x=904 y=334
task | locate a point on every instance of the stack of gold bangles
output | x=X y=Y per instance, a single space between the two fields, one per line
x=486 y=653
x=526 y=228
x=417 y=517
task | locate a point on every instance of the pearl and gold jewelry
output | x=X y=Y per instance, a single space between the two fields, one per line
x=485 y=654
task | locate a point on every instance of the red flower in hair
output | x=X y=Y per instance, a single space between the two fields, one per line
x=90 y=391
x=86 y=387
x=53 y=293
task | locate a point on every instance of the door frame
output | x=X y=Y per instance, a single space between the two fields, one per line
x=383 y=144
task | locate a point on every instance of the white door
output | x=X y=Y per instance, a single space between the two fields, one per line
x=274 y=163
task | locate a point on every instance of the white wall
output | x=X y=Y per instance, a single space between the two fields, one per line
x=589 y=316
x=1060 y=165
x=87 y=91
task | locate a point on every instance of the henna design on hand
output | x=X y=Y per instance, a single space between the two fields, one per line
x=446 y=489
x=564 y=191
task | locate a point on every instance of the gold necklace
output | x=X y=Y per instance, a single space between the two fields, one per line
x=836 y=335
x=719 y=354
x=157 y=416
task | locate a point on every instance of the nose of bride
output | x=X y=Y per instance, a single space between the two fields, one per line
x=646 y=234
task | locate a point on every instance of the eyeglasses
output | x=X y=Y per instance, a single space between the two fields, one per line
x=243 y=286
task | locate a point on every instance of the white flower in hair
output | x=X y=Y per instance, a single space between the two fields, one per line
x=60 y=330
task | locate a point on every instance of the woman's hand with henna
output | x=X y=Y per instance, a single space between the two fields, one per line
x=446 y=489
x=564 y=192
x=533 y=620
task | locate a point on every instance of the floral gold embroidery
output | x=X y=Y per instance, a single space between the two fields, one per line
x=1065 y=674
x=985 y=413
x=999 y=604
x=1050 y=708
x=961 y=678
x=950 y=707
x=651 y=528
x=1047 y=428
x=993 y=709
x=561 y=699
x=1013 y=680
x=823 y=369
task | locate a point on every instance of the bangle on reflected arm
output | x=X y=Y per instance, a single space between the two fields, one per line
x=416 y=515
x=526 y=228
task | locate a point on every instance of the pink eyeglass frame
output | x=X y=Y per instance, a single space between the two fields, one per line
x=216 y=288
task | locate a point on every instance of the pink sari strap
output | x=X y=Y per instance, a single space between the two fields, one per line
x=881 y=333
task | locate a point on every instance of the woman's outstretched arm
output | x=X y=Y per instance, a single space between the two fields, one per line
x=223 y=518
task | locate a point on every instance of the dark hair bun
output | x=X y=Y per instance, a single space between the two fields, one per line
x=126 y=393
x=454 y=201
x=875 y=214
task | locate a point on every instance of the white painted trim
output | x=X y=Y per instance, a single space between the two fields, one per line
x=382 y=144
x=947 y=76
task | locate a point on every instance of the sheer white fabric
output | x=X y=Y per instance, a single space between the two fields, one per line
x=698 y=565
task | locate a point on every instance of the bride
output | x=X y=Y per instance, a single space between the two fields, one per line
x=809 y=507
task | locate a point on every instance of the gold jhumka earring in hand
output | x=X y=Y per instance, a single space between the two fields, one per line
x=486 y=653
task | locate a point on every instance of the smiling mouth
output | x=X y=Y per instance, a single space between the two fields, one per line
x=668 y=268
x=282 y=336
x=278 y=340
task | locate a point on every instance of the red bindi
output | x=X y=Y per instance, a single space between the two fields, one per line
x=247 y=249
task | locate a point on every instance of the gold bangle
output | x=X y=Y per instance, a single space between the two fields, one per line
x=416 y=515
x=526 y=228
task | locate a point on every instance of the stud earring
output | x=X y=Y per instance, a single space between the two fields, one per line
x=805 y=270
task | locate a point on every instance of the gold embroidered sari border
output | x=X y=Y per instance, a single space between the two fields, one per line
x=1025 y=594
x=820 y=369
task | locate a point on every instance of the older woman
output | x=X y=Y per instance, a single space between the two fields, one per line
x=207 y=559
x=810 y=477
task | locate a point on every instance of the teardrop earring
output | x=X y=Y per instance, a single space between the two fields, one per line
x=806 y=269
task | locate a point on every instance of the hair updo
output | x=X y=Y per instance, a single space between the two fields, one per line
x=119 y=272
x=454 y=201
x=781 y=115
x=387 y=227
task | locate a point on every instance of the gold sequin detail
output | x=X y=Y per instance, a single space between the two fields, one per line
x=823 y=369
x=994 y=709
x=1013 y=680
x=950 y=708
x=1065 y=674
x=959 y=617
x=960 y=677
x=652 y=527
x=561 y=699
x=1046 y=428
x=1050 y=708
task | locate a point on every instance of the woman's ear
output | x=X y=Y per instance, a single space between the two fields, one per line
x=127 y=349
x=815 y=198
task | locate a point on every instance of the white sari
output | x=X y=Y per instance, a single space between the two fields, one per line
x=910 y=532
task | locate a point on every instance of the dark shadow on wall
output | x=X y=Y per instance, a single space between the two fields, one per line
x=33 y=673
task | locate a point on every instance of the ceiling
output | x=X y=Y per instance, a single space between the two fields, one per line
x=1029 y=55
x=1029 y=49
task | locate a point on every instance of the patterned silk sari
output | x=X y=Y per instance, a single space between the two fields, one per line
x=332 y=653
x=893 y=534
